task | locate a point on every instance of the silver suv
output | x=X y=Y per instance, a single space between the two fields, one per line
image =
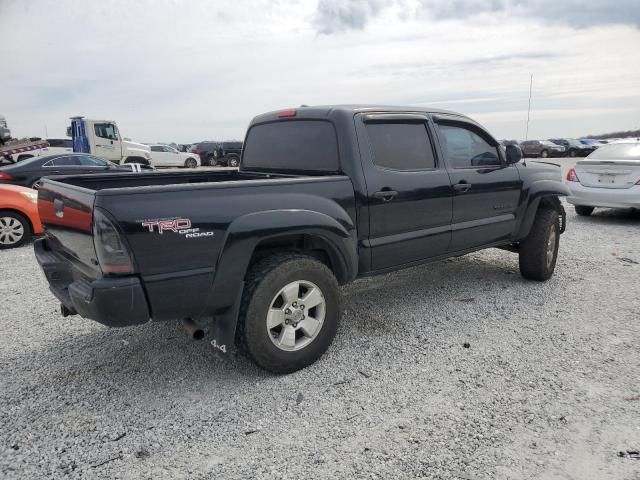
x=541 y=148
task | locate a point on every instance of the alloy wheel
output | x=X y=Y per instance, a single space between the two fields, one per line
x=295 y=315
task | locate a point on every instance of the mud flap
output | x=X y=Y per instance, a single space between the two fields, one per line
x=222 y=332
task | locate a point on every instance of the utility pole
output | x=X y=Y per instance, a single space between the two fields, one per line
x=526 y=135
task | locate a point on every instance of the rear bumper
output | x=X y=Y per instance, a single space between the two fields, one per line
x=604 y=197
x=114 y=302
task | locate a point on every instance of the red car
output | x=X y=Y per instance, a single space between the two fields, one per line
x=19 y=218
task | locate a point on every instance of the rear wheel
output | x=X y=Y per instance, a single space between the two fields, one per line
x=15 y=230
x=234 y=161
x=37 y=184
x=539 y=251
x=544 y=153
x=572 y=153
x=213 y=161
x=191 y=163
x=290 y=312
x=583 y=210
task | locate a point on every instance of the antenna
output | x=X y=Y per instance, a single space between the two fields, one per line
x=526 y=135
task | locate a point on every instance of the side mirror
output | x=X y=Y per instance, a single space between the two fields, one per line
x=514 y=154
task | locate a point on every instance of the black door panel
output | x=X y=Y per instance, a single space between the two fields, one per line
x=409 y=193
x=486 y=191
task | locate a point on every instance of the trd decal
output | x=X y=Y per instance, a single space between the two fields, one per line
x=162 y=226
x=180 y=226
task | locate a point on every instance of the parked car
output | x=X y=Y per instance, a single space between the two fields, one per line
x=167 y=156
x=19 y=219
x=541 y=148
x=609 y=177
x=208 y=152
x=299 y=218
x=592 y=143
x=573 y=147
x=230 y=153
x=30 y=172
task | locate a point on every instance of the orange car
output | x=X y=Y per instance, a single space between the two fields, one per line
x=19 y=218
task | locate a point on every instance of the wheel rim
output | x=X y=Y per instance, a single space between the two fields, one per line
x=296 y=315
x=551 y=245
x=191 y=163
x=11 y=231
x=36 y=185
x=544 y=154
x=234 y=162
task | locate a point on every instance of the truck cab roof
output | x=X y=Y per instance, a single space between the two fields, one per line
x=328 y=111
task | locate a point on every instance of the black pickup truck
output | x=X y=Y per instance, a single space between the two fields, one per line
x=324 y=195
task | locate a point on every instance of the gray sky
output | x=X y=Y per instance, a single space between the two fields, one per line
x=188 y=70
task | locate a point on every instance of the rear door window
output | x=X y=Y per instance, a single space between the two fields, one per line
x=66 y=162
x=298 y=145
x=400 y=146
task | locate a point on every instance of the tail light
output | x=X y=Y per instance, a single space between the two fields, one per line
x=572 y=176
x=113 y=255
x=286 y=113
x=5 y=176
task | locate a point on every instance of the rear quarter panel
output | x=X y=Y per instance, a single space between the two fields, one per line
x=176 y=234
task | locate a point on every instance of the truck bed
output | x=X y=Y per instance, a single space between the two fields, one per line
x=149 y=179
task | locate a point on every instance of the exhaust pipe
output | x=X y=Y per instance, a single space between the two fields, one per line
x=194 y=331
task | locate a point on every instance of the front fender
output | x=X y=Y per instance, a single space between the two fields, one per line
x=537 y=191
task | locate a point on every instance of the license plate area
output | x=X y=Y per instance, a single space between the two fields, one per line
x=607 y=179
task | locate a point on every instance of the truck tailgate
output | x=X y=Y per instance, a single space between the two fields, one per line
x=66 y=212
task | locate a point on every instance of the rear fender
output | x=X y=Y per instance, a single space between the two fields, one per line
x=247 y=232
x=550 y=191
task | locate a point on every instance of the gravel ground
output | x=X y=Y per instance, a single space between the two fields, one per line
x=459 y=369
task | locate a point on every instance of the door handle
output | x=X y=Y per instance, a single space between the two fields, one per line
x=462 y=187
x=385 y=195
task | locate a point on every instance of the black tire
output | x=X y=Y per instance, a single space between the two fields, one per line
x=233 y=161
x=191 y=163
x=5 y=221
x=36 y=184
x=264 y=280
x=583 y=210
x=213 y=161
x=539 y=252
x=544 y=154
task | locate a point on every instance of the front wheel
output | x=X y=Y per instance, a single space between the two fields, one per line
x=290 y=312
x=213 y=161
x=572 y=153
x=544 y=154
x=539 y=251
x=234 y=161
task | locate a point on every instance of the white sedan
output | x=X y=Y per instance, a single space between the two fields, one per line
x=166 y=156
x=609 y=178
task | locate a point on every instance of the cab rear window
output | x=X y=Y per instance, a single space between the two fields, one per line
x=297 y=145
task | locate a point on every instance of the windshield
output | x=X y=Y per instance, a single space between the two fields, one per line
x=292 y=145
x=617 y=151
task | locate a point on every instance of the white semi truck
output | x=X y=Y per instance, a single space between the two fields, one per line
x=102 y=139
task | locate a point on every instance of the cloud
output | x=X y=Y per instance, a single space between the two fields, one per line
x=334 y=16
x=576 y=13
